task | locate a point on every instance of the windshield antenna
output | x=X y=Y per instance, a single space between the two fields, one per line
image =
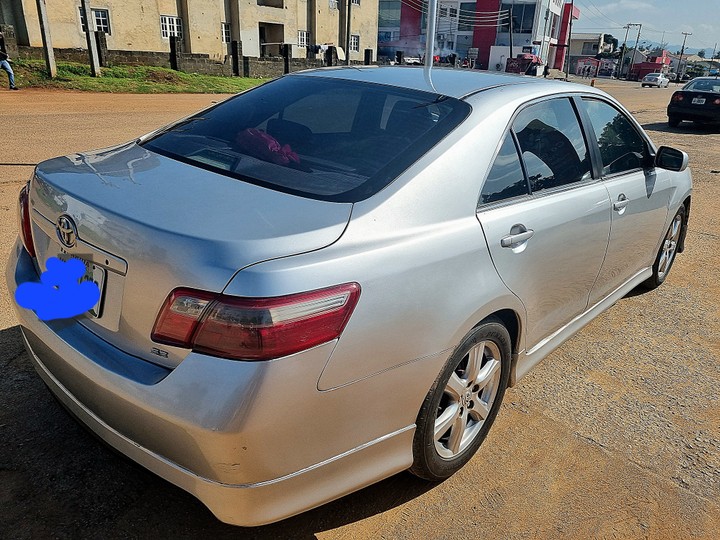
x=430 y=41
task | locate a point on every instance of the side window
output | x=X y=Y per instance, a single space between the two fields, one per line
x=622 y=148
x=506 y=178
x=552 y=144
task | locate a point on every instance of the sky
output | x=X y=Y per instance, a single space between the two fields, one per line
x=699 y=17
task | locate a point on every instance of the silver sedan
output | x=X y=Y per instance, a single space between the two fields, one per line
x=335 y=277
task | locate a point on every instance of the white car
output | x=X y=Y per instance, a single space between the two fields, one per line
x=655 y=79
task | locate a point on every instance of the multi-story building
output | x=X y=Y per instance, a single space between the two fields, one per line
x=202 y=27
x=539 y=27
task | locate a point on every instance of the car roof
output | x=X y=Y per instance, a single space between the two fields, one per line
x=457 y=83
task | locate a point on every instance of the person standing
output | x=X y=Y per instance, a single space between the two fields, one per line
x=5 y=64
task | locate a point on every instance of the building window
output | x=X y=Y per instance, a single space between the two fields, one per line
x=443 y=11
x=453 y=12
x=170 y=26
x=385 y=36
x=356 y=2
x=226 y=32
x=355 y=42
x=333 y=4
x=523 y=18
x=465 y=23
x=303 y=36
x=101 y=17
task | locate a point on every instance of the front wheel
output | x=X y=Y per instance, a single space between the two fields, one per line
x=462 y=403
x=668 y=250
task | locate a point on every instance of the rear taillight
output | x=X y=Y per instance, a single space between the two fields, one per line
x=24 y=224
x=677 y=97
x=717 y=101
x=254 y=328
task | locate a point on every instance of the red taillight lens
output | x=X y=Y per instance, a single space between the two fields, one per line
x=180 y=315
x=24 y=224
x=717 y=101
x=254 y=328
x=677 y=97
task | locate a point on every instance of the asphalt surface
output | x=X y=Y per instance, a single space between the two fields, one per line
x=615 y=435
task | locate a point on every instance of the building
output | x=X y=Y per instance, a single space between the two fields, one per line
x=206 y=27
x=657 y=61
x=539 y=27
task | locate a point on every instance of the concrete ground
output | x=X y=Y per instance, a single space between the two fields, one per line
x=615 y=435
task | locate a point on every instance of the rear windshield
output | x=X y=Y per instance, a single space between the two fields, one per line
x=704 y=85
x=316 y=137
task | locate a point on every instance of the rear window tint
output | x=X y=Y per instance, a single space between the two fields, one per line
x=317 y=137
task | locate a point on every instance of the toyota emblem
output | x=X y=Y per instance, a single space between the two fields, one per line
x=66 y=231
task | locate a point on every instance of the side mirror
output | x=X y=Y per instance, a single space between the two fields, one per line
x=671 y=159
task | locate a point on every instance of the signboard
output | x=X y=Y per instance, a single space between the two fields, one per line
x=556 y=6
x=472 y=53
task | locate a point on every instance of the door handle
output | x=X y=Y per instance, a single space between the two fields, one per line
x=512 y=240
x=621 y=203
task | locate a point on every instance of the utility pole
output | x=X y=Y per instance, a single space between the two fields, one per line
x=637 y=39
x=46 y=40
x=90 y=37
x=347 y=33
x=622 y=57
x=567 y=56
x=682 y=51
x=510 y=30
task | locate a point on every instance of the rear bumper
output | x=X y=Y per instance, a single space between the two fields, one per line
x=696 y=114
x=256 y=442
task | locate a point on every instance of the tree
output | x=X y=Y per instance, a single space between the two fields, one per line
x=610 y=40
x=701 y=53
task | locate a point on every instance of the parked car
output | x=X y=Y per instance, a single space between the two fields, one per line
x=658 y=80
x=698 y=100
x=334 y=277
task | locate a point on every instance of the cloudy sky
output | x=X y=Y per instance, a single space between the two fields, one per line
x=700 y=17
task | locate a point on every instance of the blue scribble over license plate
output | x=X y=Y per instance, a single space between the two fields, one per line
x=93 y=273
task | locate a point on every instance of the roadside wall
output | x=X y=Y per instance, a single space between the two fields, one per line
x=269 y=67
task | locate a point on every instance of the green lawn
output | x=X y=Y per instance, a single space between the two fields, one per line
x=126 y=79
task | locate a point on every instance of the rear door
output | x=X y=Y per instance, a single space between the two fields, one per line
x=638 y=191
x=545 y=219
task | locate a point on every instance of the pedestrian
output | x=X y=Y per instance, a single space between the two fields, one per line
x=546 y=71
x=5 y=64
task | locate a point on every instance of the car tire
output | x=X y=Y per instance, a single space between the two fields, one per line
x=668 y=250
x=462 y=403
x=674 y=121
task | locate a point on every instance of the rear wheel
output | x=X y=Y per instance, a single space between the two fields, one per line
x=463 y=402
x=668 y=250
x=674 y=121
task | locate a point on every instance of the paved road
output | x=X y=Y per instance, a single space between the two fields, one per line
x=615 y=435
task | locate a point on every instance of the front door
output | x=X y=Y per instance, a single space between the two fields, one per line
x=639 y=194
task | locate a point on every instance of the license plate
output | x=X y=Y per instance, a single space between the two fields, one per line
x=698 y=101
x=93 y=273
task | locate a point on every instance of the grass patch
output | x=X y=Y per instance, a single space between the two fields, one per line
x=126 y=79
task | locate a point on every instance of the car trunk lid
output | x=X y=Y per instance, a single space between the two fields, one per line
x=150 y=224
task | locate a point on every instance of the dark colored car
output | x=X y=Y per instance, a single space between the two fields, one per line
x=698 y=101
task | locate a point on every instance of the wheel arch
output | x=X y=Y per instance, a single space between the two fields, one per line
x=686 y=204
x=512 y=323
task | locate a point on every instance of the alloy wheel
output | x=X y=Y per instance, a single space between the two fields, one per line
x=467 y=399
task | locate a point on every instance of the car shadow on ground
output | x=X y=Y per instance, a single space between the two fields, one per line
x=686 y=127
x=74 y=486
